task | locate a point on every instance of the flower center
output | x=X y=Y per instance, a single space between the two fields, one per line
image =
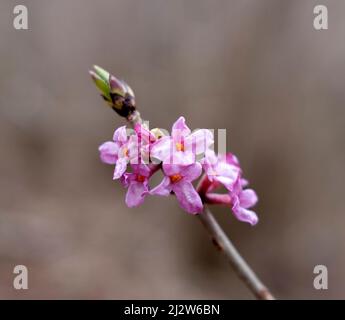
x=125 y=152
x=180 y=146
x=140 y=178
x=175 y=178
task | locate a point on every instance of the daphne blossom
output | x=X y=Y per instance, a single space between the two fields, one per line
x=225 y=170
x=117 y=151
x=182 y=157
x=241 y=201
x=178 y=179
x=137 y=183
x=221 y=169
x=182 y=146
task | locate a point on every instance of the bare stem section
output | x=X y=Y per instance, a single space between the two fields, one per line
x=222 y=242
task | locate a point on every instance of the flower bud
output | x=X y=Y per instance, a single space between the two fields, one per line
x=115 y=92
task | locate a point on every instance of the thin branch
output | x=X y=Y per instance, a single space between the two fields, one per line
x=223 y=243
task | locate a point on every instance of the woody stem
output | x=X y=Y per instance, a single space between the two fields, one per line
x=223 y=243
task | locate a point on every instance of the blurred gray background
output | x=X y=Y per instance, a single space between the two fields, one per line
x=256 y=68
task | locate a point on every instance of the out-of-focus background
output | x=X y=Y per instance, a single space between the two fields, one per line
x=256 y=68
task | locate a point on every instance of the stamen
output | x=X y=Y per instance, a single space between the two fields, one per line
x=175 y=178
x=140 y=178
x=179 y=146
x=125 y=152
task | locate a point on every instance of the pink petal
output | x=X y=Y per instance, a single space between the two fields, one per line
x=237 y=186
x=232 y=159
x=210 y=158
x=244 y=182
x=144 y=134
x=108 y=152
x=135 y=194
x=227 y=174
x=142 y=169
x=191 y=172
x=162 y=149
x=248 y=198
x=246 y=215
x=163 y=189
x=120 y=135
x=227 y=182
x=182 y=158
x=243 y=214
x=120 y=168
x=171 y=169
x=199 y=141
x=133 y=149
x=126 y=179
x=179 y=129
x=187 y=197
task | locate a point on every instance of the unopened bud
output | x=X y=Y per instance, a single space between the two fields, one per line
x=115 y=92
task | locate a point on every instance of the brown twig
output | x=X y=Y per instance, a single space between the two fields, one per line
x=223 y=243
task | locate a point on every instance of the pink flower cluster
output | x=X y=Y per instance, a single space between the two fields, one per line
x=182 y=156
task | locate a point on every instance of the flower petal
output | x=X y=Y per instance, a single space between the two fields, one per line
x=108 y=152
x=163 y=189
x=246 y=215
x=132 y=150
x=171 y=169
x=227 y=182
x=248 y=198
x=227 y=174
x=199 y=141
x=244 y=182
x=162 y=149
x=136 y=194
x=120 y=135
x=210 y=158
x=120 y=168
x=142 y=169
x=143 y=134
x=183 y=158
x=243 y=214
x=179 y=129
x=231 y=159
x=191 y=172
x=187 y=197
x=127 y=178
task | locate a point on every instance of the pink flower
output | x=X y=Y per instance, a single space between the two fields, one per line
x=178 y=153
x=223 y=169
x=118 y=151
x=183 y=146
x=109 y=150
x=241 y=201
x=123 y=155
x=178 y=179
x=137 y=183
